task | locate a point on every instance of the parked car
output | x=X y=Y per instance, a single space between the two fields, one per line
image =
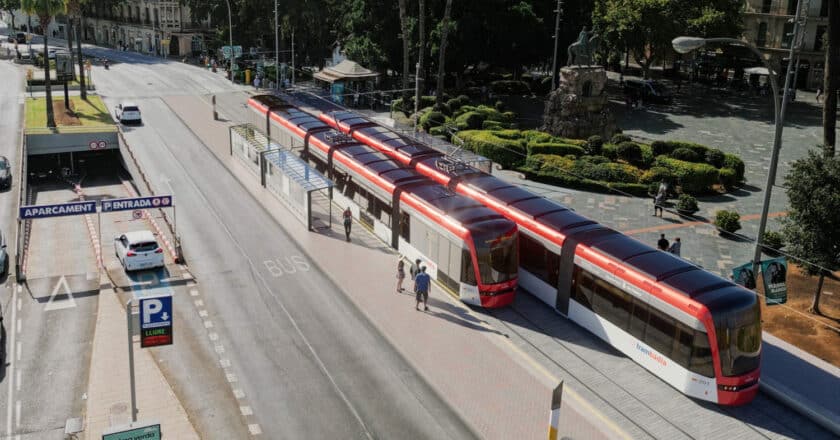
x=20 y=37
x=138 y=250
x=649 y=91
x=128 y=113
x=4 y=256
x=5 y=173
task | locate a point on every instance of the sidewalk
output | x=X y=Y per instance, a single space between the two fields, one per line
x=498 y=391
x=108 y=399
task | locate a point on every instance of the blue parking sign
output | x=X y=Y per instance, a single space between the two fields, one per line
x=155 y=321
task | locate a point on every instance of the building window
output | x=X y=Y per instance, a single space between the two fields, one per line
x=820 y=37
x=824 y=8
x=792 y=7
x=765 y=6
x=787 y=35
x=761 y=38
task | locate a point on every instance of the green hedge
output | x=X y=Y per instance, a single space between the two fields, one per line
x=505 y=152
x=508 y=87
x=551 y=170
x=493 y=125
x=630 y=152
x=657 y=174
x=432 y=119
x=686 y=154
x=728 y=177
x=472 y=120
x=557 y=148
x=734 y=162
x=694 y=178
x=407 y=107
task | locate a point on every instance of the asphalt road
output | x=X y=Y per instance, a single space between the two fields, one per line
x=306 y=360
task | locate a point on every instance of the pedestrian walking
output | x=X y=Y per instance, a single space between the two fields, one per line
x=348 y=222
x=675 y=247
x=819 y=95
x=657 y=203
x=662 y=244
x=422 y=282
x=400 y=275
x=257 y=82
x=414 y=270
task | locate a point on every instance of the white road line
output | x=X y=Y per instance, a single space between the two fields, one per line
x=246 y=410
x=213 y=336
x=225 y=363
x=199 y=303
x=19 y=303
x=11 y=369
x=194 y=292
x=220 y=349
x=19 y=348
x=208 y=324
x=17 y=380
x=17 y=414
x=239 y=394
x=231 y=377
x=254 y=429
x=202 y=313
x=19 y=324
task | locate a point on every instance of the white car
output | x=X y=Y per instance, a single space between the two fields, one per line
x=128 y=113
x=138 y=250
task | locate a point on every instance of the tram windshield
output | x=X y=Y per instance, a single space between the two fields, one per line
x=498 y=257
x=739 y=340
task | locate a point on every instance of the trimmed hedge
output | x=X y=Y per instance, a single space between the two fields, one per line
x=693 y=177
x=715 y=157
x=432 y=119
x=657 y=174
x=505 y=152
x=593 y=145
x=472 y=120
x=630 y=152
x=557 y=148
x=686 y=154
x=661 y=147
x=727 y=177
x=407 y=107
x=493 y=125
x=734 y=162
x=553 y=170
x=619 y=138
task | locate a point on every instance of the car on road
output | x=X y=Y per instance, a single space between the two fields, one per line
x=128 y=113
x=5 y=173
x=138 y=250
x=649 y=91
x=4 y=256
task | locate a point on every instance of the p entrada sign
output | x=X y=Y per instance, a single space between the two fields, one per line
x=44 y=211
x=112 y=205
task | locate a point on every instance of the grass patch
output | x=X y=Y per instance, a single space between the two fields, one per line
x=89 y=113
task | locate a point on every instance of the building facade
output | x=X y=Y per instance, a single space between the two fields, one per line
x=768 y=25
x=154 y=27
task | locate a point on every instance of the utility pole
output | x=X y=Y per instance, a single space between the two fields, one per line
x=556 y=42
x=417 y=93
x=276 y=47
x=293 y=57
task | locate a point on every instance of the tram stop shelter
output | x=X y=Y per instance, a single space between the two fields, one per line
x=347 y=79
x=301 y=188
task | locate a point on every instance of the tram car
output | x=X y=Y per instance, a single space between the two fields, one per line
x=469 y=249
x=695 y=330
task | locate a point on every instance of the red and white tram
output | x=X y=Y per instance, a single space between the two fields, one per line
x=695 y=330
x=468 y=248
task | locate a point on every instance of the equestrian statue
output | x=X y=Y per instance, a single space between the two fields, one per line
x=581 y=51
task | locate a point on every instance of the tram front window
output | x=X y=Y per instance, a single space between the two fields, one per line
x=739 y=341
x=498 y=258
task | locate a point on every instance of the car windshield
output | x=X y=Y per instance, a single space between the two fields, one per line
x=739 y=340
x=145 y=246
x=131 y=108
x=498 y=257
x=3 y=163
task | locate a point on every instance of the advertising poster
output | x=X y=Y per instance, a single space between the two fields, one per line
x=774 y=273
x=744 y=275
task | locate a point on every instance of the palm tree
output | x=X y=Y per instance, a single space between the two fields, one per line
x=74 y=10
x=45 y=10
x=444 y=34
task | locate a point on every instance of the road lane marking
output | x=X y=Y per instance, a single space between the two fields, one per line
x=225 y=363
x=199 y=303
x=194 y=292
x=17 y=380
x=17 y=414
x=213 y=336
x=19 y=303
x=55 y=304
x=239 y=394
x=19 y=324
x=246 y=410
x=19 y=349
x=12 y=365
x=220 y=349
x=202 y=313
x=208 y=324
x=254 y=429
x=231 y=377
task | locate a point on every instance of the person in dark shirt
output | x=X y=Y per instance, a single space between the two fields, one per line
x=662 y=243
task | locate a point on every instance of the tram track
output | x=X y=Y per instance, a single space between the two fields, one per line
x=762 y=408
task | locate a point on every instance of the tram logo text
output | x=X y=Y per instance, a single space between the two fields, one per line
x=651 y=354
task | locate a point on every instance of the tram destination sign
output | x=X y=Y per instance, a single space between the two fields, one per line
x=112 y=205
x=44 y=211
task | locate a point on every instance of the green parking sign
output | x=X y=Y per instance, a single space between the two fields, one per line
x=148 y=431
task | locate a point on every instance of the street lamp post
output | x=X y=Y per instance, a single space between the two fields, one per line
x=230 y=35
x=687 y=44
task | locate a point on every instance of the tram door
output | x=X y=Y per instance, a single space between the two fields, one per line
x=564 y=278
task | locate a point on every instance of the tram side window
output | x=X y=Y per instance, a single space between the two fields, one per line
x=639 y=319
x=552 y=262
x=535 y=258
x=586 y=286
x=467 y=269
x=611 y=303
x=405 y=227
x=682 y=344
x=660 y=332
x=701 y=355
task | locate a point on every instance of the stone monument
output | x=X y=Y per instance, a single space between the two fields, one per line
x=577 y=108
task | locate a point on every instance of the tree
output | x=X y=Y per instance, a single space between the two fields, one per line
x=444 y=34
x=405 y=43
x=45 y=10
x=831 y=78
x=646 y=27
x=421 y=49
x=812 y=226
x=74 y=12
x=10 y=6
